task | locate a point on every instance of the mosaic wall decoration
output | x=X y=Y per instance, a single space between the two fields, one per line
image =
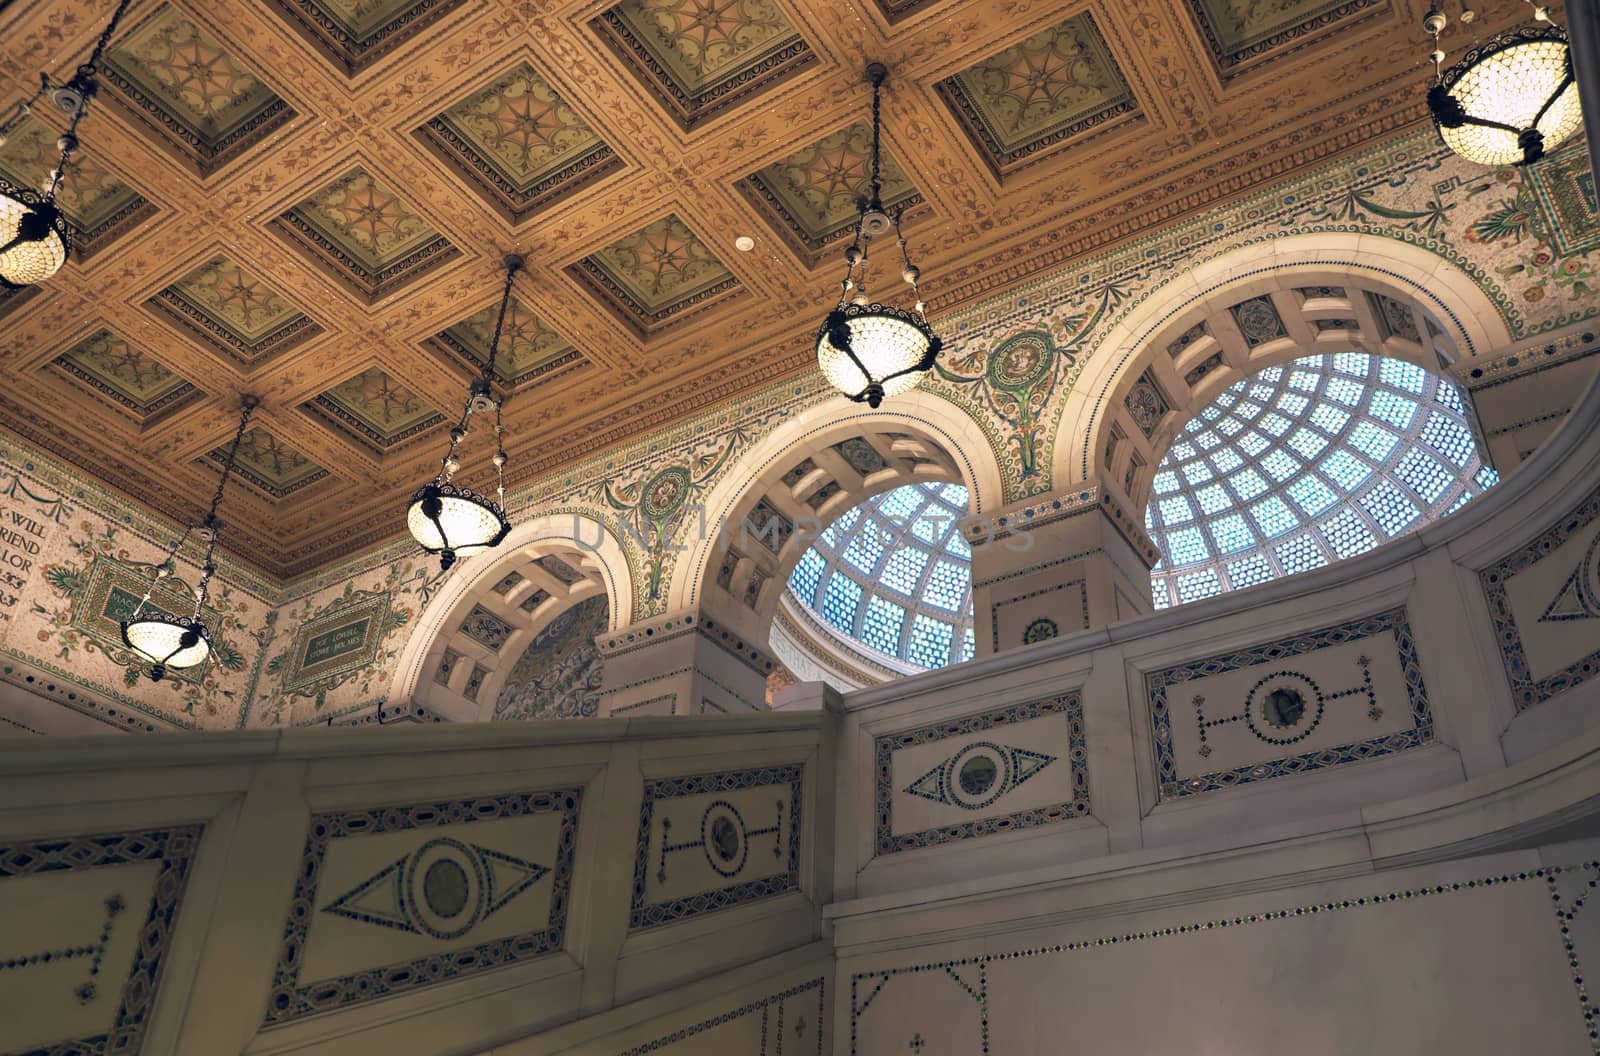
x=558 y=676
x=485 y=628
x=792 y=1018
x=1146 y=404
x=1544 y=600
x=98 y=204
x=1258 y=321
x=88 y=923
x=365 y=234
x=1238 y=32
x=811 y=194
x=1317 y=700
x=376 y=409
x=270 y=464
x=180 y=80
x=1003 y=770
x=334 y=644
x=393 y=899
x=529 y=349
x=1054 y=86
x=1040 y=613
x=356 y=33
x=1564 y=189
x=989 y=1002
x=1017 y=378
x=520 y=143
x=233 y=310
x=699 y=60
x=708 y=842
x=658 y=272
x=125 y=374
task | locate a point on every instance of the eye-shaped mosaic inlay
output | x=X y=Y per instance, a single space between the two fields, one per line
x=979 y=774
x=443 y=889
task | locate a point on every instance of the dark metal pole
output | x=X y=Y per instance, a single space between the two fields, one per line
x=1583 y=26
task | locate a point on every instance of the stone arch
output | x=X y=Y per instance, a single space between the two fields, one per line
x=1187 y=340
x=806 y=473
x=457 y=658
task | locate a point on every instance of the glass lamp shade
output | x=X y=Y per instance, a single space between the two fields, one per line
x=33 y=237
x=873 y=351
x=167 y=641
x=1521 y=83
x=454 y=522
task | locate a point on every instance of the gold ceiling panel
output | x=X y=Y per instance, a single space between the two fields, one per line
x=234 y=310
x=184 y=85
x=520 y=143
x=1041 y=93
x=310 y=199
x=810 y=195
x=530 y=350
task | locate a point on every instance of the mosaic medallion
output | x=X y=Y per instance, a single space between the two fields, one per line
x=1055 y=86
x=661 y=271
x=1146 y=404
x=1258 y=321
x=520 y=143
x=1040 y=630
x=702 y=56
x=665 y=494
x=1021 y=363
x=179 y=81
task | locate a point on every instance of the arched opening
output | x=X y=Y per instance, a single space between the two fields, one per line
x=884 y=591
x=1304 y=464
x=513 y=637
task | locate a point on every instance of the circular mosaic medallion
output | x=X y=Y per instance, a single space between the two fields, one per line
x=666 y=493
x=722 y=831
x=1146 y=406
x=977 y=775
x=1040 y=630
x=1020 y=362
x=1284 y=707
x=445 y=893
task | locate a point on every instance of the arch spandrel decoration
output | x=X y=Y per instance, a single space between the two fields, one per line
x=805 y=474
x=481 y=621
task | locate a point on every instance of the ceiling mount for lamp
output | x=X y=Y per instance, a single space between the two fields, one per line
x=165 y=641
x=867 y=350
x=1511 y=99
x=444 y=517
x=34 y=238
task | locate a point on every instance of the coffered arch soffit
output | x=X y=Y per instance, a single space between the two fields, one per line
x=485 y=615
x=1252 y=308
x=810 y=470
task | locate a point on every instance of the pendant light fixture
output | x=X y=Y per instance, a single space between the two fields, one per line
x=33 y=233
x=1510 y=100
x=164 y=641
x=867 y=350
x=444 y=517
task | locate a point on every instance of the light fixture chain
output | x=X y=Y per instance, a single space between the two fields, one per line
x=877 y=121
x=209 y=568
x=513 y=265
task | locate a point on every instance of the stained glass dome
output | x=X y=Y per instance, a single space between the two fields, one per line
x=894 y=576
x=1305 y=464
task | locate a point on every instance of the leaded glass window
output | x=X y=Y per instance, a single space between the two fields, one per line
x=1325 y=459
x=894 y=576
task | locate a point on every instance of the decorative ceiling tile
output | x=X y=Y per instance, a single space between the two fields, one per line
x=1240 y=30
x=811 y=194
x=1040 y=93
x=520 y=143
x=377 y=409
x=125 y=374
x=235 y=311
x=366 y=234
x=701 y=56
x=529 y=348
x=269 y=463
x=355 y=33
x=178 y=80
x=660 y=271
x=98 y=205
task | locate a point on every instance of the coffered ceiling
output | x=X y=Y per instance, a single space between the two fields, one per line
x=310 y=200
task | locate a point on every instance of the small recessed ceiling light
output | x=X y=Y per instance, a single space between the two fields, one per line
x=744 y=243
